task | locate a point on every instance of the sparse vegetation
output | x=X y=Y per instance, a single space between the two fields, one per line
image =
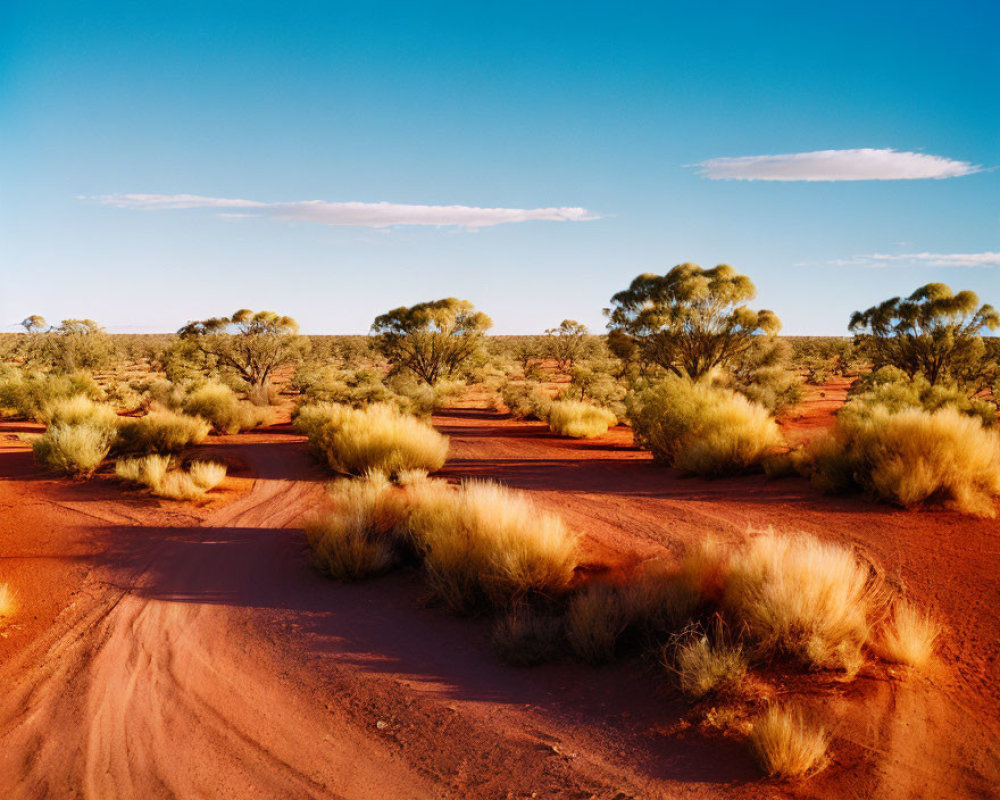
x=706 y=665
x=160 y=432
x=909 y=635
x=75 y=450
x=787 y=745
x=702 y=429
x=219 y=404
x=596 y=618
x=378 y=438
x=579 y=420
x=484 y=545
x=910 y=457
x=154 y=472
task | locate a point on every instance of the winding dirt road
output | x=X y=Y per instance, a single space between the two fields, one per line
x=170 y=651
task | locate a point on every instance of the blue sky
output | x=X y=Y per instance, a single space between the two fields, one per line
x=156 y=158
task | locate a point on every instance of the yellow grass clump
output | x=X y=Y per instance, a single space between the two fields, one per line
x=153 y=471
x=787 y=745
x=8 y=602
x=483 y=544
x=160 y=432
x=702 y=429
x=73 y=449
x=79 y=410
x=911 y=457
x=579 y=420
x=376 y=438
x=207 y=474
x=361 y=536
x=803 y=597
x=909 y=635
x=219 y=404
x=703 y=665
x=596 y=618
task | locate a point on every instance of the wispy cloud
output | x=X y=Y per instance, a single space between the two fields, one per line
x=366 y=215
x=987 y=259
x=866 y=164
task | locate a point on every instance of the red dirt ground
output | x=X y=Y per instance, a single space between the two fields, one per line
x=171 y=650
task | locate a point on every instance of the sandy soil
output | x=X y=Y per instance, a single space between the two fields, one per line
x=169 y=650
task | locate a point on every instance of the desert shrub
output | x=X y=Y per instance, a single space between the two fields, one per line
x=595 y=383
x=579 y=420
x=524 y=636
x=705 y=664
x=361 y=536
x=207 y=474
x=377 y=438
x=78 y=410
x=526 y=400
x=786 y=744
x=802 y=597
x=761 y=374
x=894 y=390
x=483 y=544
x=73 y=449
x=147 y=470
x=595 y=620
x=160 y=432
x=219 y=405
x=28 y=395
x=910 y=457
x=909 y=635
x=702 y=429
x=153 y=471
x=663 y=597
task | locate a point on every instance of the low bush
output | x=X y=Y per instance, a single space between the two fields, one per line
x=595 y=620
x=787 y=745
x=893 y=389
x=526 y=400
x=27 y=395
x=77 y=410
x=153 y=471
x=361 y=536
x=910 y=457
x=579 y=420
x=219 y=405
x=702 y=429
x=160 y=432
x=705 y=665
x=909 y=636
x=802 y=597
x=377 y=438
x=73 y=449
x=485 y=545
x=525 y=637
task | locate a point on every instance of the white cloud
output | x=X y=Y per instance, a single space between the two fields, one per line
x=368 y=215
x=866 y=164
x=987 y=259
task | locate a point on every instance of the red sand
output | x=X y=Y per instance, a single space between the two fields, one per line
x=170 y=650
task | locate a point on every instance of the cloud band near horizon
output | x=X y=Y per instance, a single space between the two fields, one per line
x=865 y=164
x=358 y=214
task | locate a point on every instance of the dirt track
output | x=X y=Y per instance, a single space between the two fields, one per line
x=195 y=652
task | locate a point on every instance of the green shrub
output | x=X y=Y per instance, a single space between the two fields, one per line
x=526 y=400
x=27 y=395
x=378 y=438
x=73 y=449
x=160 y=432
x=892 y=389
x=579 y=420
x=702 y=429
x=910 y=457
x=219 y=405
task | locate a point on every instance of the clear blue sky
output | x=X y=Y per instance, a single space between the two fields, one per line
x=560 y=106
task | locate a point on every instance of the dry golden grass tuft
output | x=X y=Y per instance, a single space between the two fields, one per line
x=803 y=597
x=911 y=457
x=524 y=636
x=8 y=602
x=153 y=471
x=219 y=404
x=207 y=474
x=483 y=544
x=160 y=432
x=376 y=438
x=79 y=410
x=702 y=429
x=361 y=536
x=706 y=664
x=579 y=420
x=597 y=616
x=73 y=449
x=909 y=635
x=787 y=745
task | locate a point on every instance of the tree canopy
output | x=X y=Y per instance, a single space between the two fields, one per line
x=934 y=333
x=567 y=343
x=689 y=321
x=432 y=340
x=251 y=344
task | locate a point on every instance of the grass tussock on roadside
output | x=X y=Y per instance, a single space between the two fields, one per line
x=361 y=536
x=155 y=473
x=579 y=420
x=787 y=744
x=160 y=432
x=223 y=409
x=378 y=438
x=706 y=663
x=910 y=457
x=909 y=635
x=702 y=429
x=8 y=602
x=74 y=450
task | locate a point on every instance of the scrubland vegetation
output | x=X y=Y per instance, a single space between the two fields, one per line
x=579 y=420
x=787 y=744
x=155 y=473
